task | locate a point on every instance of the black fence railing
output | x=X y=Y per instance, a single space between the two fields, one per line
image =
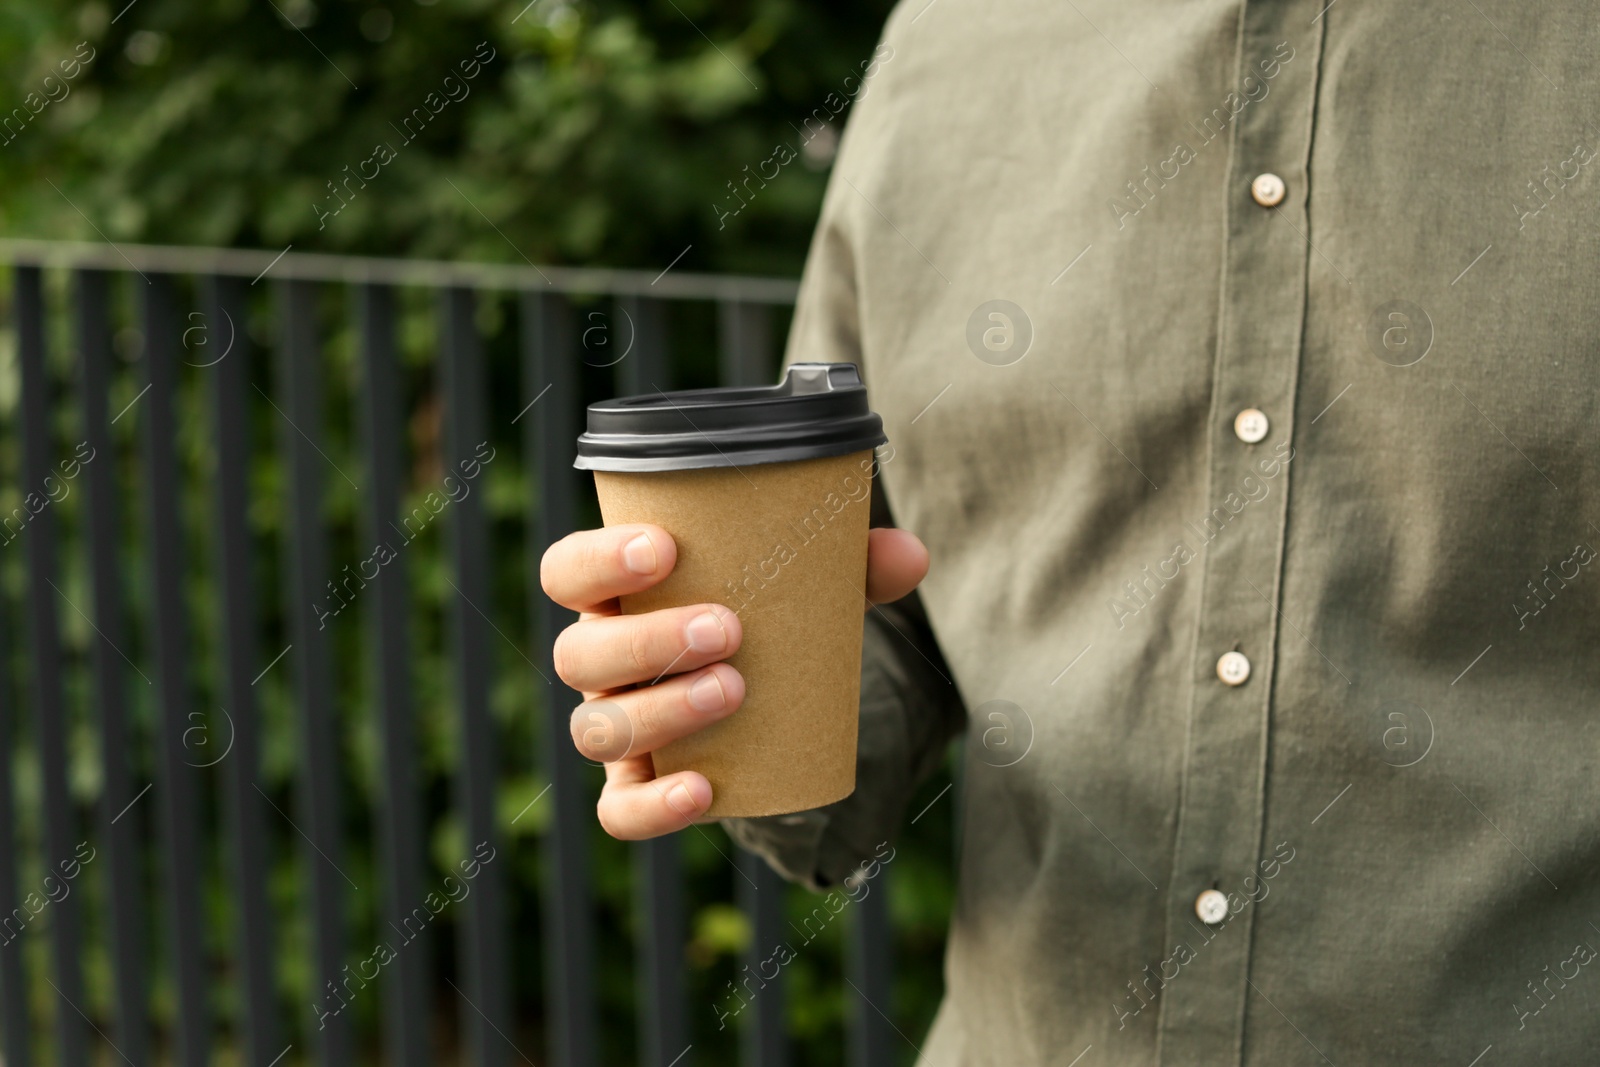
x=187 y=713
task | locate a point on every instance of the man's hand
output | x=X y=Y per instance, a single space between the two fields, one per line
x=662 y=670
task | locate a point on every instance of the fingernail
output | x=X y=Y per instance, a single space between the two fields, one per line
x=683 y=801
x=707 y=695
x=639 y=555
x=705 y=634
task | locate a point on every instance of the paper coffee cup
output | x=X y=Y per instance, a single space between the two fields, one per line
x=766 y=492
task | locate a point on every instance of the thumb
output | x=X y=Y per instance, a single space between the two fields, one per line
x=896 y=561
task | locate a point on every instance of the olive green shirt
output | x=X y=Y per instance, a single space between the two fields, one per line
x=1262 y=529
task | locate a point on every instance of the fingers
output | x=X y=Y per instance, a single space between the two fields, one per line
x=635 y=805
x=597 y=654
x=896 y=562
x=637 y=721
x=585 y=569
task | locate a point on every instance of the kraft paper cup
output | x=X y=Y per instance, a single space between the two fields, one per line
x=778 y=535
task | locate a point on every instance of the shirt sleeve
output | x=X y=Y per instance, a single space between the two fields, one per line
x=910 y=708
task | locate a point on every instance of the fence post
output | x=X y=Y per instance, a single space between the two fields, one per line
x=317 y=792
x=225 y=361
x=746 y=343
x=549 y=419
x=177 y=785
x=124 y=883
x=867 y=970
x=406 y=1006
x=483 y=931
x=50 y=725
x=764 y=1041
x=13 y=987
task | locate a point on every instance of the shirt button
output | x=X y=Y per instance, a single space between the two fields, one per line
x=1250 y=425
x=1233 y=668
x=1267 y=190
x=1211 y=906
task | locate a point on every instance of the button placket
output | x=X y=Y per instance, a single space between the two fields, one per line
x=1224 y=787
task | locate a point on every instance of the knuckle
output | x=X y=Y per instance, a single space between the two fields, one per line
x=575 y=727
x=602 y=730
x=641 y=645
x=648 y=713
x=598 y=558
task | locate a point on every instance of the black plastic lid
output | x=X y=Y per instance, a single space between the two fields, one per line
x=819 y=409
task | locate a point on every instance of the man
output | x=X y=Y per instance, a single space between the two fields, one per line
x=1239 y=363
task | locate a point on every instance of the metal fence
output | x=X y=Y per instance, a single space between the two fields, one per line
x=163 y=820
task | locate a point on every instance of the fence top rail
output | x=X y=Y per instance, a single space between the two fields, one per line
x=316 y=266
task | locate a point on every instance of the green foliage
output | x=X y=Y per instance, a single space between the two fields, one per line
x=591 y=133
x=588 y=132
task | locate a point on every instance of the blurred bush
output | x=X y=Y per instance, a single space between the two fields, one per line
x=589 y=132
x=556 y=132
